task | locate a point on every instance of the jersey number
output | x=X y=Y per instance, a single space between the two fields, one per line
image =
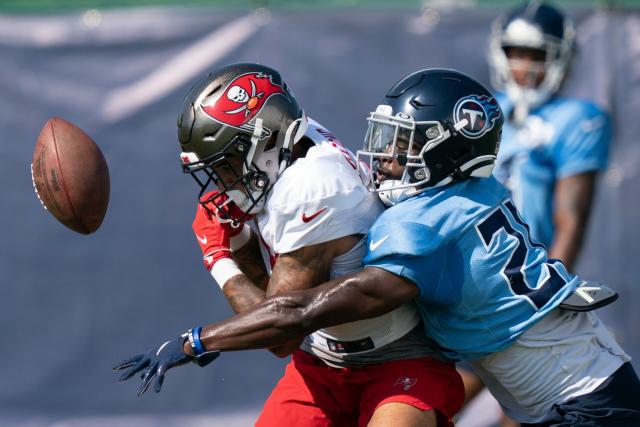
x=513 y=271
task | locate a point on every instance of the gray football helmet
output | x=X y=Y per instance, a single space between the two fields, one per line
x=245 y=111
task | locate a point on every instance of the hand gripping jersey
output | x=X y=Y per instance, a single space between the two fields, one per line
x=322 y=197
x=486 y=287
x=561 y=138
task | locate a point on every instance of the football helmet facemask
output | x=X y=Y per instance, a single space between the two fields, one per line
x=440 y=125
x=531 y=26
x=240 y=111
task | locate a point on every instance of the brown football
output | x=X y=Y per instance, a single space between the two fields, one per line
x=70 y=176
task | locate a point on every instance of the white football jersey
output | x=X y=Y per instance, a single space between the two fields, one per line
x=319 y=198
x=566 y=355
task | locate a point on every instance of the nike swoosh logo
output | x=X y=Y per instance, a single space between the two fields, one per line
x=307 y=218
x=208 y=261
x=374 y=245
x=202 y=239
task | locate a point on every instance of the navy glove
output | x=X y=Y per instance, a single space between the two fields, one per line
x=155 y=362
x=589 y=296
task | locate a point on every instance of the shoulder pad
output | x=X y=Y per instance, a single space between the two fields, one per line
x=400 y=239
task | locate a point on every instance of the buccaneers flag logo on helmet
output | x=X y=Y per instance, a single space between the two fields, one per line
x=243 y=99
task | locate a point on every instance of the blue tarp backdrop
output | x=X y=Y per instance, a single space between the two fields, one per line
x=71 y=306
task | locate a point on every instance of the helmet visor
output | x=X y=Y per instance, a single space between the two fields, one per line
x=392 y=136
x=396 y=144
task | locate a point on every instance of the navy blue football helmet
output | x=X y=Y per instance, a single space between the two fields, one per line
x=441 y=125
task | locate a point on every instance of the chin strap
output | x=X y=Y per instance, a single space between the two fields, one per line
x=391 y=195
x=255 y=140
x=295 y=132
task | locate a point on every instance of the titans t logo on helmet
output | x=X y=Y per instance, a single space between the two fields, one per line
x=481 y=112
x=243 y=99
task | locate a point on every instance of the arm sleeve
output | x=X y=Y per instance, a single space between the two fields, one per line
x=585 y=146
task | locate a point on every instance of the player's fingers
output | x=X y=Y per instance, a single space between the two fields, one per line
x=236 y=212
x=160 y=377
x=129 y=362
x=147 y=378
x=208 y=196
x=140 y=365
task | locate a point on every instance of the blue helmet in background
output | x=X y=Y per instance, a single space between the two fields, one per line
x=538 y=26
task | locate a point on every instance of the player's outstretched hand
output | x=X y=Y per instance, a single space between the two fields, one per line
x=158 y=360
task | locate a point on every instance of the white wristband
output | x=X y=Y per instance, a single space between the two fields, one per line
x=242 y=238
x=224 y=270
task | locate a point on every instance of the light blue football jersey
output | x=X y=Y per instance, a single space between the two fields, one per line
x=482 y=280
x=561 y=138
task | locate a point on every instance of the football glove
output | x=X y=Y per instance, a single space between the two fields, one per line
x=589 y=296
x=213 y=234
x=158 y=360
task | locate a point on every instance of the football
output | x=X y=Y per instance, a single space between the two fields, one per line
x=70 y=176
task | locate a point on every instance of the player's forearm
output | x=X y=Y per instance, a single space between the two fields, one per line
x=249 y=260
x=572 y=207
x=281 y=318
x=242 y=293
x=567 y=244
x=272 y=322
